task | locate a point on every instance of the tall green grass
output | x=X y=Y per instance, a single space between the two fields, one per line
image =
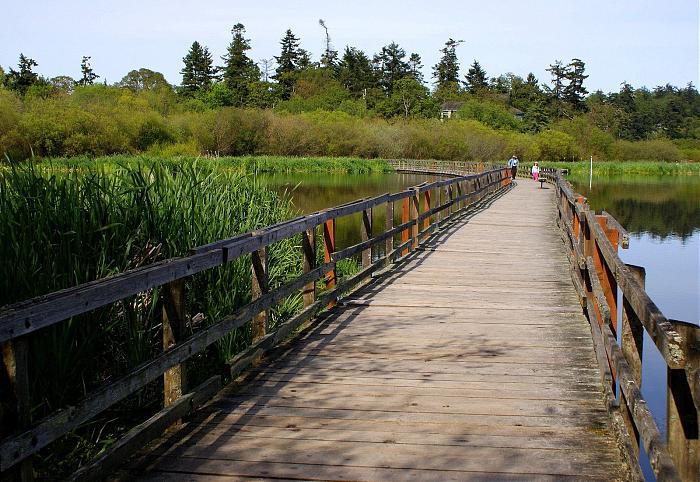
x=63 y=227
x=241 y=164
x=609 y=168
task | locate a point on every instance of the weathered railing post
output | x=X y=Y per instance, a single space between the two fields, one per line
x=366 y=234
x=426 y=208
x=405 y=217
x=16 y=411
x=682 y=412
x=460 y=203
x=328 y=250
x=389 y=225
x=259 y=288
x=415 y=210
x=632 y=345
x=174 y=321
x=605 y=273
x=308 y=252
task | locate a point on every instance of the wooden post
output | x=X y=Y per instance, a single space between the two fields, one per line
x=426 y=208
x=366 y=234
x=415 y=209
x=259 y=287
x=632 y=344
x=459 y=195
x=605 y=274
x=16 y=413
x=682 y=412
x=328 y=250
x=174 y=321
x=308 y=252
x=389 y=224
x=405 y=217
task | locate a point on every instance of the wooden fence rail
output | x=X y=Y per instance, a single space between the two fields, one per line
x=443 y=199
x=601 y=277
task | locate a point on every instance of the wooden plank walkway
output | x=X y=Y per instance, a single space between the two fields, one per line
x=471 y=361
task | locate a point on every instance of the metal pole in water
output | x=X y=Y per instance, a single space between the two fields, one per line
x=590 y=176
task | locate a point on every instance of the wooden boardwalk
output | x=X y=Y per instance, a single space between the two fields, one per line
x=470 y=361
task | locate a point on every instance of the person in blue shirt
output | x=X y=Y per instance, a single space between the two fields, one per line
x=513 y=164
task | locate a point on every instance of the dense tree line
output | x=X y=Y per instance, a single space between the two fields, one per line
x=389 y=84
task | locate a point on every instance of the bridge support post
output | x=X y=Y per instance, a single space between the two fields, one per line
x=15 y=411
x=632 y=345
x=174 y=321
x=308 y=252
x=328 y=250
x=259 y=288
x=605 y=274
x=681 y=410
x=366 y=234
x=405 y=217
x=389 y=225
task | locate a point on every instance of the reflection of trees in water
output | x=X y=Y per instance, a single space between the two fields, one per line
x=668 y=207
x=660 y=219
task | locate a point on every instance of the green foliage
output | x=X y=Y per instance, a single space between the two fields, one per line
x=20 y=80
x=198 y=70
x=489 y=113
x=390 y=66
x=239 y=70
x=288 y=63
x=557 y=146
x=355 y=72
x=88 y=75
x=476 y=80
x=446 y=71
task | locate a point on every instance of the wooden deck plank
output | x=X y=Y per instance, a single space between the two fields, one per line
x=470 y=361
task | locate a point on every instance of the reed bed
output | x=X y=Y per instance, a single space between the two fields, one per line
x=63 y=227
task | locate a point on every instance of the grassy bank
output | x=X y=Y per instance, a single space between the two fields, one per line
x=626 y=168
x=241 y=164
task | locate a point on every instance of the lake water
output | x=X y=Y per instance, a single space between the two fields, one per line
x=662 y=216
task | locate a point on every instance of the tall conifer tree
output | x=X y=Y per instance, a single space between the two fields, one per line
x=198 y=72
x=288 y=63
x=239 y=70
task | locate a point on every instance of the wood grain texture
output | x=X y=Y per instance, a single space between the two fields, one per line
x=470 y=361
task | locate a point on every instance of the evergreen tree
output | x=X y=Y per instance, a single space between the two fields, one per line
x=329 y=59
x=574 y=93
x=390 y=66
x=476 y=79
x=198 y=71
x=239 y=70
x=446 y=71
x=355 y=72
x=415 y=65
x=20 y=80
x=88 y=75
x=287 y=64
x=558 y=72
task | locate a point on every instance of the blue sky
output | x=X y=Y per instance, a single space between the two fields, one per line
x=643 y=42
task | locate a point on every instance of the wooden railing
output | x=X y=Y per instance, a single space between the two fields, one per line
x=441 y=201
x=450 y=168
x=598 y=275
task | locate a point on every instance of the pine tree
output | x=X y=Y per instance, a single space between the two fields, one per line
x=329 y=59
x=287 y=64
x=20 y=80
x=574 y=93
x=239 y=70
x=558 y=72
x=415 y=64
x=88 y=75
x=355 y=72
x=446 y=71
x=198 y=71
x=476 y=79
x=391 y=66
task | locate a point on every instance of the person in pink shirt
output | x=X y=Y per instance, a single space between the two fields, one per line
x=535 y=171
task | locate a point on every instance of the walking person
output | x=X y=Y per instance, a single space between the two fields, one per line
x=536 y=171
x=513 y=164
